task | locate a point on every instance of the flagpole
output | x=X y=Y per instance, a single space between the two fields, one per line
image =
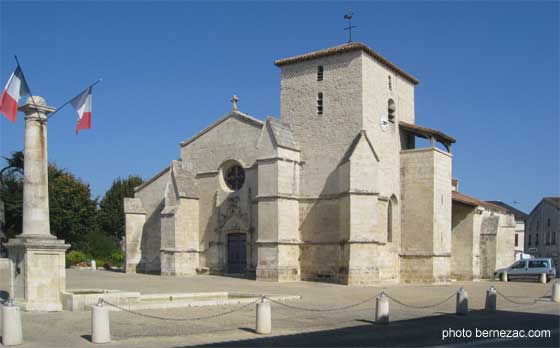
x=68 y=102
x=29 y=88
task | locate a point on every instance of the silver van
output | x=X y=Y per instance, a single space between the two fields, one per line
x=529 y=268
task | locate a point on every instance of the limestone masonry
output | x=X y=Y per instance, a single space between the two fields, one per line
x=333 y=190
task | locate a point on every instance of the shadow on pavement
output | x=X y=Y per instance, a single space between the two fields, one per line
x=425 y=331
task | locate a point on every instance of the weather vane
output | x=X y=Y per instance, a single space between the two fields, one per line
x=350 y=26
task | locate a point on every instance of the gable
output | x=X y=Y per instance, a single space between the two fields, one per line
x=233 y=137
x=360 y=147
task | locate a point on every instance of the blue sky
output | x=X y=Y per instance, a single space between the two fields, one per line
x=489 y=75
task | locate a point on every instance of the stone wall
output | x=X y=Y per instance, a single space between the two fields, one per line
x=426 y=215
x=505 y=245
x=324 y=138
x=497 y=234
x=152 y=198
x=465 y=251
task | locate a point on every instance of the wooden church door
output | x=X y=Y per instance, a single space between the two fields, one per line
x=237 y=253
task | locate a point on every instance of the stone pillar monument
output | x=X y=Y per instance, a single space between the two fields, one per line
x=38 y=257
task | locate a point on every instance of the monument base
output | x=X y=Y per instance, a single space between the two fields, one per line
x=39 y=272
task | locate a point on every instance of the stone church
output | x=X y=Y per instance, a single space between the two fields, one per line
x=335 y=189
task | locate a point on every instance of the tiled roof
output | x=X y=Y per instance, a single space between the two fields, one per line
x=555 y=201
x=282 y=134
x=519 y=215
x=426 y=132
x=468 y=200
x=352 y=46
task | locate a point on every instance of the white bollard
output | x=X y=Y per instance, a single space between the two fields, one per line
x=12 y=334
x=490 y=305
x=542 y=278
x=264 y=317
x=504 y=277
x=93 y=265
x=100 y=324
x=382 y=309
x=462 y=304
x=556 y=292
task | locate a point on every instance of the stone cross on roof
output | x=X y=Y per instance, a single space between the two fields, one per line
x=234 y=101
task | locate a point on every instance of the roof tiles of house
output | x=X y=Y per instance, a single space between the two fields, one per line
x=555 y=201
x=426 y=132
x=468 y=200
x=519 y=215
x=348 y=47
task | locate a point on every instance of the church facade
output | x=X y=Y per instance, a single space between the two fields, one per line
x=335 y=189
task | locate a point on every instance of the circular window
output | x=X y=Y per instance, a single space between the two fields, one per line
x=234 y=177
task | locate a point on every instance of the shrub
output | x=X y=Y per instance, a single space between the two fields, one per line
x=117 y=258
x=101 y=246
x=75 y=257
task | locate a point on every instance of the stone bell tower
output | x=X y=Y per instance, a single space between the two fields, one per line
x=37 y=256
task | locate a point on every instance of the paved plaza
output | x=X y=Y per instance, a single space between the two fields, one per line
x=294 y=327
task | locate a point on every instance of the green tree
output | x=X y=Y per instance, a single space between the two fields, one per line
x=111 y=208
x=11 y=195
x=72 y=210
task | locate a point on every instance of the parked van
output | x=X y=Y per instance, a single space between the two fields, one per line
x=530 y=268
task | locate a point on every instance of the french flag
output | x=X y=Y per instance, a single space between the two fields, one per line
x=82 y=104
x=15 y=89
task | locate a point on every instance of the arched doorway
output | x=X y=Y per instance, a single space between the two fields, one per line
x=236 y=253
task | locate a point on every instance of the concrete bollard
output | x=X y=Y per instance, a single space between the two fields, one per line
x=556 y=292
x=504 y=277
x=264 y=317
x=382 y=310
x=93 y=265
x=490 y=305
x=100 y=324
x=462 y=304
x=12 y=334
x=542 y=278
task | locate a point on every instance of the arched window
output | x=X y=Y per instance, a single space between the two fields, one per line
x=320 y=73
x=390 y=84
x=391 y=109
x=319 y=103
x=390 y=222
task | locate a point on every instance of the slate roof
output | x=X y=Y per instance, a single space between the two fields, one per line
x=282 y=133
x=468 y=200
x=348 y=47
x=519 y=215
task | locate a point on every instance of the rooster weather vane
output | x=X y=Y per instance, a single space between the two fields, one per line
x=348 y=16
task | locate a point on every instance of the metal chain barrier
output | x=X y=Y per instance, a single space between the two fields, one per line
x=549 y=291
x=322 y=310
x=513 y=301
x=532 y=302
x=151 y=316
x=421 y=307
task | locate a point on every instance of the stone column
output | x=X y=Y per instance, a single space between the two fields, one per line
x=38 y=257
